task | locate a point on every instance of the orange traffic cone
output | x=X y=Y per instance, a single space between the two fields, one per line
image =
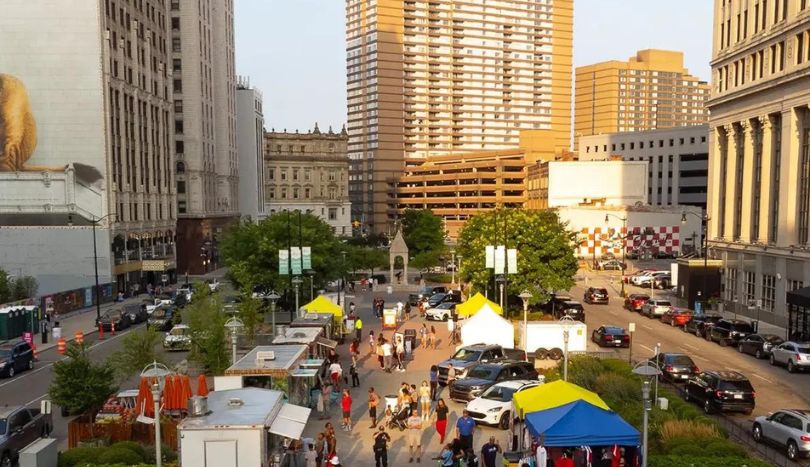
x=34 y=349
x=112 y=328
x=100 y=332
x=78 y=336
x=60 y=345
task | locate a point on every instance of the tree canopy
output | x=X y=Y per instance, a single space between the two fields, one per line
x=19 y=288
x=545 y=250
x=78 y=383
x=423 y=231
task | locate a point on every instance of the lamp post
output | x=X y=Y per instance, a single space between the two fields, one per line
x=623 y=237
x=459 y=271
x=273 y=297
x=648 y=370
x=704 y=219
x=94 y=222
x=158 y=371
x=297 y=281
x=566 y=322
x=501 y=280
x=233 y=325
x=525 y=296
x=311 y=274
x=453 y=264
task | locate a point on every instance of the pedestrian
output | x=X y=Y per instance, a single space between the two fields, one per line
x=464 y=430
x=432 y=337
x=336 y=372
x=333 y=356
x=352 y=307
x=331 y=439
x=346 y=405
x=381 y=440
x=372 y=344
x=311 y=457
x=387 y=352
x=565 y=460
x=373 y=402
x=407 y=311
x=447 y=457
x=441 y=419
x=434 y=381
x=424 y=398
x=451 y=324
x=451 y=375
x=354 y=375
x=380 y=354
x=414 y=424
x=321 y=448
x=358 y=328
x=400 y=354
x=387 y=416
x=354 y=350
x=414 y=395
x=400 y=311
x=489 y=452
x=423 y=336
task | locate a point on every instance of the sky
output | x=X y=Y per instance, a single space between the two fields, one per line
x=294 y=50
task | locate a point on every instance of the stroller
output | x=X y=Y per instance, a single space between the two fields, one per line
x=398 y=420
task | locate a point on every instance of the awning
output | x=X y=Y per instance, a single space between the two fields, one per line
x=326 y=342
x=474 y=304
x=322 y=304
x=290 y=421
x=581 y=424
x=554 y=394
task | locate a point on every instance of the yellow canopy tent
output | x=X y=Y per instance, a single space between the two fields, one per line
x=554 y=394
x=322 y=304
x=474 y=304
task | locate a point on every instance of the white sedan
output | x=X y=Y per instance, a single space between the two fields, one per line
x=441 y=312
x=494 y=406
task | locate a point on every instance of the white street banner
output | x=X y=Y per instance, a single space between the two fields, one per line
x=511 y=261
x=283 y=262
x=500 y=259
x=307 y=257
x=295 y=256
x=489 y=261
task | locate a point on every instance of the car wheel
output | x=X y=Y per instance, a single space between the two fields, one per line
x=11 y=371
x=723 y=342
x=445 y=318
x=772 y=360
x=697 y=333
x=503 y=423
x=686 y=395
x=740 y=348
x=792 y=450
x=791 y=367
x=756 y=432
x=758 y=353
x=707 y=407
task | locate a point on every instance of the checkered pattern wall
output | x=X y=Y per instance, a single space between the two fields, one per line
x=601 y=240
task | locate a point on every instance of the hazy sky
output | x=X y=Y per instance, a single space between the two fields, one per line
x=293 y=50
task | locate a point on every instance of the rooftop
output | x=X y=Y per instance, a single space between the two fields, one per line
x=286 y=359
x=257 y=408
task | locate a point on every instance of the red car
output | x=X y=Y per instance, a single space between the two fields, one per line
x=635 y=301
x=626 y=277
x=677 y=317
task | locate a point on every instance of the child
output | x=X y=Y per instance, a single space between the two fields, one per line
x=371 y=342
x=388 y=415
x=355 y=376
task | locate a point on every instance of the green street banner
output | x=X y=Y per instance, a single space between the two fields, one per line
x=307 y=257
x=283 y=262
x=295 y=256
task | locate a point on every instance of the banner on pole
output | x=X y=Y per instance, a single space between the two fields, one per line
x=511 y=261
x=295 y=255
x=489 y=261
x=500 y=259
x=283 y=262
x=307 y=257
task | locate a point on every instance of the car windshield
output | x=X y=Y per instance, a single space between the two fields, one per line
x=499 y=393
x=736 y=385
x=483 y=373
x=776 y=340
x=426 y=291
x=679 y=360
x=445 y=306
x=467 y=355
x=641 y=297
x=663 y=303
x=614 y=330
x=438 y=297
x=600 y=291
x=159 y=313
x=178 y=332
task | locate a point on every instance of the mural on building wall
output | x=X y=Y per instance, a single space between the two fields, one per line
x=654 y=240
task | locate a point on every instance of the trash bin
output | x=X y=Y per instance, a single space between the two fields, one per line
x=410 y=341
x=389 y=290
x=391 y=401
x=56 y=331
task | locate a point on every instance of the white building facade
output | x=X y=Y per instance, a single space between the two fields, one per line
x=610 y=183
x=250 y=134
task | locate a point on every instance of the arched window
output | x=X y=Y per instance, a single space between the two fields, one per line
x=181 y=167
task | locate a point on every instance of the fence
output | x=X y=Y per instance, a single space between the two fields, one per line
x=80 y=430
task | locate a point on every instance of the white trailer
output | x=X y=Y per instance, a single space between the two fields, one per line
x=546 y=339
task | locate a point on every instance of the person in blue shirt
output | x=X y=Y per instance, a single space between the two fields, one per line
x=434 y=381
x=464 y=430
x=447 y=457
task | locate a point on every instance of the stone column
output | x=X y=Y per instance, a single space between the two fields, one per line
x=746 y=190
x=789 y=177
x=766 y=176
x=715 y=184
x=731 y=179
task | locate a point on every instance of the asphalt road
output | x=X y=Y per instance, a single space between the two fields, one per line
x=30 y=387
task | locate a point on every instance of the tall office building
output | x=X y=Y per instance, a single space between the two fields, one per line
x=650 y=91
x=250 y=143
x=430 y=78
x=204 y=83
x=759 y=155
x=92 y=124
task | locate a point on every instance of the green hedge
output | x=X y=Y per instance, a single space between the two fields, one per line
x=698 y=461
x=124 y=453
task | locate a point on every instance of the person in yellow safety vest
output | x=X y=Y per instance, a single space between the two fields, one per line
x=358 y=328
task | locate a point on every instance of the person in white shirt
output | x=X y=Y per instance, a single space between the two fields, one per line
x=387 y=352
x=336 y=373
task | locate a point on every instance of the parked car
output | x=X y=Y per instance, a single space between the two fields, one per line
x=611 y=336
x=468 y=357
x=494 y=406
x=699 y=325
x=16 y=357
x=596 y=295
x=635 y=301
x=676 y=316
x=759 y=345
x=611 y=265
x=724 y=391
x=662 y=281
x=178 y=338
x=161 y=319
x=571 y=308
x=113 y=317
x=441 y=312
x=426 y=292
x=787 y=428
x=729 y=331
x=136 y=313
x=675 y=366
x=655 y=307
x=556 y=301
x=627 y=278
x=648 y=280
x=480 y=378
x=795 y=356
x=213 y=284
x=19 y=427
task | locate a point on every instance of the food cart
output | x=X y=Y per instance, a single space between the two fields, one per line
x=278 y=367
x=323 y=306
x=310 y=336
x=390 y=319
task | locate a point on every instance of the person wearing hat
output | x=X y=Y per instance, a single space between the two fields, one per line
x=381 y=440
x=334 y=461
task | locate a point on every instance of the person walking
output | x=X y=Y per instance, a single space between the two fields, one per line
x=407 y=311
x=381 y=440
x=432 y=337
x=434 y=381
x=400 y=349
x=489 y=452
x=451 y=375
x=423 y=336
x=354 y=375
x=336 y=373
x=321 y=447
x=373 y=402
x=346 y=405
x=441 y=419
x=414 y=424
x=372 y=343
x=424 y=398
x=464 y=430
x=358 y=329
x=380 y=353
x=387 y=352
x=311 y=457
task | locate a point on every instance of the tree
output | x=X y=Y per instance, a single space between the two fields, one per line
x=250 y=315
x=5 y=287
x=423 y=231
x=13 y=289
x=209 y=340
x=138 y=349
x=80 y=384
x=545 y=250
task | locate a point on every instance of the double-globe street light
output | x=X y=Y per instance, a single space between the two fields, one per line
x=157 y=372
x=525 y=296
x=234 y=325
x=649 y=371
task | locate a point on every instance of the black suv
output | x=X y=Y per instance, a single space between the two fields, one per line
x=570 y=308
x=698 y=325
x=16 y=357
x=726 y=391
x=424 y=294
x=675 y=366
x=480 y=378
x=730 y=331
x=596 y=295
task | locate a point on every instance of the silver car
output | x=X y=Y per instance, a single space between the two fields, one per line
x=793 y=355
x=789 y=429
x=655 y=308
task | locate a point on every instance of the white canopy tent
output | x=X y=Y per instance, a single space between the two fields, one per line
x=487 y=327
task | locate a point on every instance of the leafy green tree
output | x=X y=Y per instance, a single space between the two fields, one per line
x=138 y=349
x=425 y=259
x=24 y=287
x=365 y=258
x=250 y=315
x=545 y=250
x=80 y=384
x=209 y=338
x=5 y=287
x=423 y=231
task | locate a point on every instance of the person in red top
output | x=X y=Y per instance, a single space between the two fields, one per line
x=565 y=461
x=346 y=405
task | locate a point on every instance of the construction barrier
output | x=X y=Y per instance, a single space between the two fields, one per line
x=112 y=328
x=60 y=346
x=100 y=332
x=78 y=336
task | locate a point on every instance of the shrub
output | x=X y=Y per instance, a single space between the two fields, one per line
x=132 y=446
x=167 y=453
x=79 y=456
x=583 y=371
x=119 y=455
x=672 y=430
x=702 y=461
x=615 y=388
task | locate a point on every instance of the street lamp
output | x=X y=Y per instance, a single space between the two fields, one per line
x=459 y=271
x=704 y=219
x=94 y=222
x=311 y=274
x=297 y=281
x=525 y=296
x=453 y=264
x=234 y=325
x=158 y=372
x=273 y=297
x=501 y=280
x=623 y=238
x=648 y=370
x=566 y=322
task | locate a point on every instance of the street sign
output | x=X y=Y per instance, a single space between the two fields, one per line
x=307 y=257
x=295 y=256
x=489 y=261
x=283 y=262
x=500 y=259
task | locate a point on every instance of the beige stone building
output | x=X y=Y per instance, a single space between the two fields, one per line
x=308 y=172
x=438 y=77
x=759 y=146
x=649 y=91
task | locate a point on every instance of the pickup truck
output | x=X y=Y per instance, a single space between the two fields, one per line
x=19 y=427
x=466 y=358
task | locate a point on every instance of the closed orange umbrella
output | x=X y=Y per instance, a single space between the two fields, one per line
x=168 y=393
x=187 y=393
x=145 y=403
x=202 y=386
x=179 y=391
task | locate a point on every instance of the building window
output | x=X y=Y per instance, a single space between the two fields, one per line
x=730 y=289
x=804 y=187
x=307 y=175
x=271 y=174
x=758 y=134
x=181 y=186
x=181 y=207
x=296 y=192
x=178 y=106
x=295 y=174
x=776 y=136
x=284 y=174
x=768 y=292
x=331 y=176
x=738 y=177
x=307 y=193
x=332 y=214
x=181 y=167
x=283 y=193
x=750 y=286
x=793 y=285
